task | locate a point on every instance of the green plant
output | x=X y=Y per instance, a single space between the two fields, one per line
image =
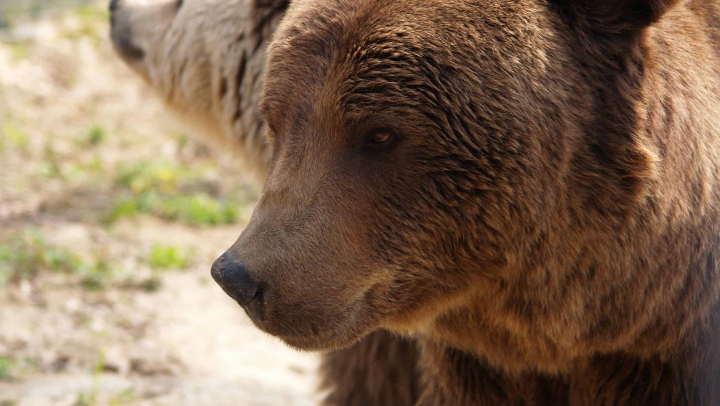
x=96 y=135
x=122 y=208
x=168 y=257
x=124 y=397
x=12 y=133
x=170 y=191
x=6 y=365
x=27 y=253
x=50 y=166
x=182 y=141
x=96 y=275
x=199 y=209
x=90 y=398
x=157 y=176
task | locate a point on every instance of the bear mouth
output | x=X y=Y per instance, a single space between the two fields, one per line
x=349 y=327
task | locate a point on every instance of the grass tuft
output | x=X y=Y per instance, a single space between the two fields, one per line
x=146 y=177
x=199 y=209
x=6 y=366
x=125 y=397
x=160 y=189
x=13 y=135
x=90 y=398
x=96 y=135
x=27 y=254
x=96 y=275
x=168 y=257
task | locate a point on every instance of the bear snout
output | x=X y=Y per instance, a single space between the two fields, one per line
x=122 y=35
x=234 y=278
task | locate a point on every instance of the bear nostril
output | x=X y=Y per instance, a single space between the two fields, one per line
x=235 y=280
x=256 y=307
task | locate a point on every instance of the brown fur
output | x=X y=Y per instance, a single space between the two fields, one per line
x=379 y=370
x=544 y=219
x=217 y=94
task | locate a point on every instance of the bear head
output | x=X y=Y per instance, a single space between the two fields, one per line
x=432 y=154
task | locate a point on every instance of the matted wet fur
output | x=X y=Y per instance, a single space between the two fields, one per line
x=206 y=60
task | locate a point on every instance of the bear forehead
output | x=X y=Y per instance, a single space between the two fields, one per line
x=346 y=29
x=321 y=41
x=358 y=49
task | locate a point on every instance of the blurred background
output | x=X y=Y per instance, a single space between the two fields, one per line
x=110 y=216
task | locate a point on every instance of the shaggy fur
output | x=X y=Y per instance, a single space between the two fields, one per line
x=540 y=211
x=206 y=59
x=380 y=370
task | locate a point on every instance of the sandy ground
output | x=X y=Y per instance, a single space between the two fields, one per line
x=181 y=343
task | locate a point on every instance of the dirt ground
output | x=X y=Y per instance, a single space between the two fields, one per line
x=110 y=217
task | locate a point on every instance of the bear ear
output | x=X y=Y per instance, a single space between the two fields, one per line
x=617 y=15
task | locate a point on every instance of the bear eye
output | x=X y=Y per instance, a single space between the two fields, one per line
x=380 y=136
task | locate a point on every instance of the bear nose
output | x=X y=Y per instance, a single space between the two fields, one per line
x=121 y=33
x=235 y=280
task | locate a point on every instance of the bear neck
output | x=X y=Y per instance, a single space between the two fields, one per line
x=631 y=261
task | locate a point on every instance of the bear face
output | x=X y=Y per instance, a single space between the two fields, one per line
x=407 y=162
x=486 y=174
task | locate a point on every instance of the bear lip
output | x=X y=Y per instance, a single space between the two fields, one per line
x=328 y=341
x=348 y=332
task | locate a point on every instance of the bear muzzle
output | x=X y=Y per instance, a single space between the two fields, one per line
x=121 y=34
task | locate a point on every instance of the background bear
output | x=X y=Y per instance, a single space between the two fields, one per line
x=527 y=187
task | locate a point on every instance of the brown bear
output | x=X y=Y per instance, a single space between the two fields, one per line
x=528 y=188
x=206 y=60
